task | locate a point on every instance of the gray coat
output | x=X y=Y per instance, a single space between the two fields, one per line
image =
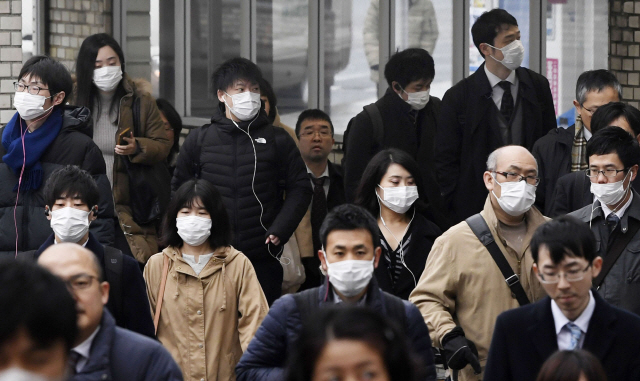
x=621 y=286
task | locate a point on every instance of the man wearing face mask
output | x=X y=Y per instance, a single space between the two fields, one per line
x=500 y=104
x=253 y=165
x=71 y=198
x=52 y=135
x=404 y=118
x=350 y=239
x=614 y=217
x=466 y=282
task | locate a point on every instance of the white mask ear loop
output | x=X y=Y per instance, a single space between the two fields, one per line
x=255 y=166
x=400 y=243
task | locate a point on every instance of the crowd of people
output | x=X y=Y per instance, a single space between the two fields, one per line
x=244 y=253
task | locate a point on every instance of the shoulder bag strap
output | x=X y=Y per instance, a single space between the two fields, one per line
x=135 y=111
x=163 y=283
x=307 y=303
x=376 y=119
x=616 y=250
x=481 y=230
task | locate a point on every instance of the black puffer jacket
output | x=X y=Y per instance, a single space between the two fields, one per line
x=227 y=161
x=73 y=146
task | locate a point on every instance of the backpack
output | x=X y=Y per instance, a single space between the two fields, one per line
x=378 y=128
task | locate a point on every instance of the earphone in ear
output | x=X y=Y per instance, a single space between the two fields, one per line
x=46 y=211
x=94 y=210
x=397 y=87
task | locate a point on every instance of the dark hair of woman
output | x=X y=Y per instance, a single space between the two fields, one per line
x=377 y=167
x=174 y=120
x=570 y=365
x=210 y=198
x=86 y=90
x=357 y=324
x=267 y=91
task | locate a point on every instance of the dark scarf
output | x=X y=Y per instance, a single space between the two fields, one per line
x=35 y=144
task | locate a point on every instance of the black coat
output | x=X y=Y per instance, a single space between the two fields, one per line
x=572 y=192
x=335 y=196
x=553 y=154
x=466 y=136
x=401 y=132
x=134 y=314
x=73 y=146
x=422 y=234
x=525 y=337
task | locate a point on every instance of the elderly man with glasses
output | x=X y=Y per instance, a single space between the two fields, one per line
x=614 y=216
x=572 y=317
x=483 y=266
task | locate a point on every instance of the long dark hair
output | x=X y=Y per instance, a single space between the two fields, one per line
x=86 y=90
x=212 y=202
x=377 y=167
x=174 y=120
x=358 y=324
x=569 y=365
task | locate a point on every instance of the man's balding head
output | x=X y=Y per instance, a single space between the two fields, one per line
x=509 y=154
x=82 y=272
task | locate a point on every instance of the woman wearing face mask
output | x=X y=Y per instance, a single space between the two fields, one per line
x=212 y=302
x=35 y=142
x=104 y=88
x=390 y=189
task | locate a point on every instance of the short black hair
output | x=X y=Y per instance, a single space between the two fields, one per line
x=615 y=140
x=564 y=236
x=569 y=365
x=375 y=170
x=349 y=217
x=232 y=70
x=409 y=65
x=378 y=332
x=605 y=115
x=313 y=114
x=211 y=200
x=596 y=80
x=169 y=112
x=71 y=181
x=267 y=91
x=54 y=75
x=34 y=299
x=488 y=26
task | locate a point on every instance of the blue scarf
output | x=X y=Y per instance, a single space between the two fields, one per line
x=35 y=143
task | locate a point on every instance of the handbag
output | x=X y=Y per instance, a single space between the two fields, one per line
x=149 y=185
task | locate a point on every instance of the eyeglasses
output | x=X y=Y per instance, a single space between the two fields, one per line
x=308 y=134
x=570 y=276
x=514 y=177
x=79 y=282
x=32 y=89
x=609 y=173
x=590 y=111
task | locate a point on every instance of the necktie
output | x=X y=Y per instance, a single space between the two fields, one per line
x=506 y=107
x=74 y=357
x=576 y=334
x=612 y=222
x=318 y=209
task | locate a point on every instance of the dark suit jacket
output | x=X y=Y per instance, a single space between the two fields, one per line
x=525 y=337
x=572 y=192
x=553 y=154
x=466 y=135
x=335 y=196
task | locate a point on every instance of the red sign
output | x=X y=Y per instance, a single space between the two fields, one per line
x=552 y=76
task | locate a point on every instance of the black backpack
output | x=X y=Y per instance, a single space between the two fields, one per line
x=378 y=128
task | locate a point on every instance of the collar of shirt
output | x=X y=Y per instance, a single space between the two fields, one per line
x=620 y=212
x=325 y=173
x=327 y=180
x=338 y=300
x=55 y=242
x=582 y=321
x=84 y=349
x=496 y=91
x=586 y=133
x=494 y=80
x=197 y=267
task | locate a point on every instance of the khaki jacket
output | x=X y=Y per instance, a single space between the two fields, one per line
x=462 y=285
x=207 y=321
x=154 y=146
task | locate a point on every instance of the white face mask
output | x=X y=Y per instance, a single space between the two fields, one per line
x=29 y=106
x=246 y=105
x=107 y=78
x=516 y=198
x=349 y=277
x=70 y=224
x=417 y=100
x=193 y=230
x=610 y=193
x=513 y=55
x=399 y=199
x=19 y=374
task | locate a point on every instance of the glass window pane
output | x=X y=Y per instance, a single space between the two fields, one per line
x=577 y=40
x=154 y=13
x=165 y=60
x=282 y=46
x=28 y=31
x=215 y=37
x=517 y=8
x=428 y=25
x=350 y=59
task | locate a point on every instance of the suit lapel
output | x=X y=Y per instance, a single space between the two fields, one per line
x=481 y=102
x=543 y=331
x=530 y=107
x=600 y=334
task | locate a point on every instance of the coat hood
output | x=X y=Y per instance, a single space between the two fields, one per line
x=77 y=119
x=222 y=257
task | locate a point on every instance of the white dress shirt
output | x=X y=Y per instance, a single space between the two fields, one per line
x=499 y=91
x=563 y=333
x=84 y=350
x=619 y=212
